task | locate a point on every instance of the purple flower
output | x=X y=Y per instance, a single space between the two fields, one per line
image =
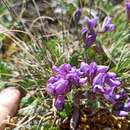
x=121 y=113
x=107 y=25
x=102 y=82
x=66 y=76
x=127 y=6
x=99 y=83
x=105 y=83
x=59 y=87
x=59 y=102
x=102 y=69
x=62 y=70
x=111 y=80
x=77 y=14
x=113 y=97
x=88 y=37
x=75 y=78
x=91 y=23
x=121 y=108
x=84 y=68
x=53 y=79
x=127 y=106
x=98 y=75
x=90 y=71
x=89 y=34
x=109 y=95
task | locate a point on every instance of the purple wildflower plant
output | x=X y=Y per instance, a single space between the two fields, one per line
x=98 y=77
x=89 y=33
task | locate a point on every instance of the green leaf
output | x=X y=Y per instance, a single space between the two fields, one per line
x=46 y=126
x=49 y=127
x=53 y=128
x=28 y=82
x=74 y=60
x=26 y=101
x=66 y=111
x=94 y=104
x=5 y=70
x=29 y=110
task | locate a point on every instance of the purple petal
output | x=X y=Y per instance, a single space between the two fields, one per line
x=113 y=82
x=84 y=31
x=99 y=82
x=55 y=69
x=74 y=78
x=109 y=28
x=82 y=81
x=52 y=79
x=99 y=79
x=107 y=25
x=59 y=102
x=84 y=68
x=61 y=86
x=102 y=69
x=90 y=39
x=109 y=95
x=65 y=68
x=51 y=89
x=91 y=22
x=121 y=113
x=92 y=70
x=111 y=75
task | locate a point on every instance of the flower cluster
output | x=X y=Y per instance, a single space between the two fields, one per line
x=59 y=85
x=89 y=34
x=102 y=81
